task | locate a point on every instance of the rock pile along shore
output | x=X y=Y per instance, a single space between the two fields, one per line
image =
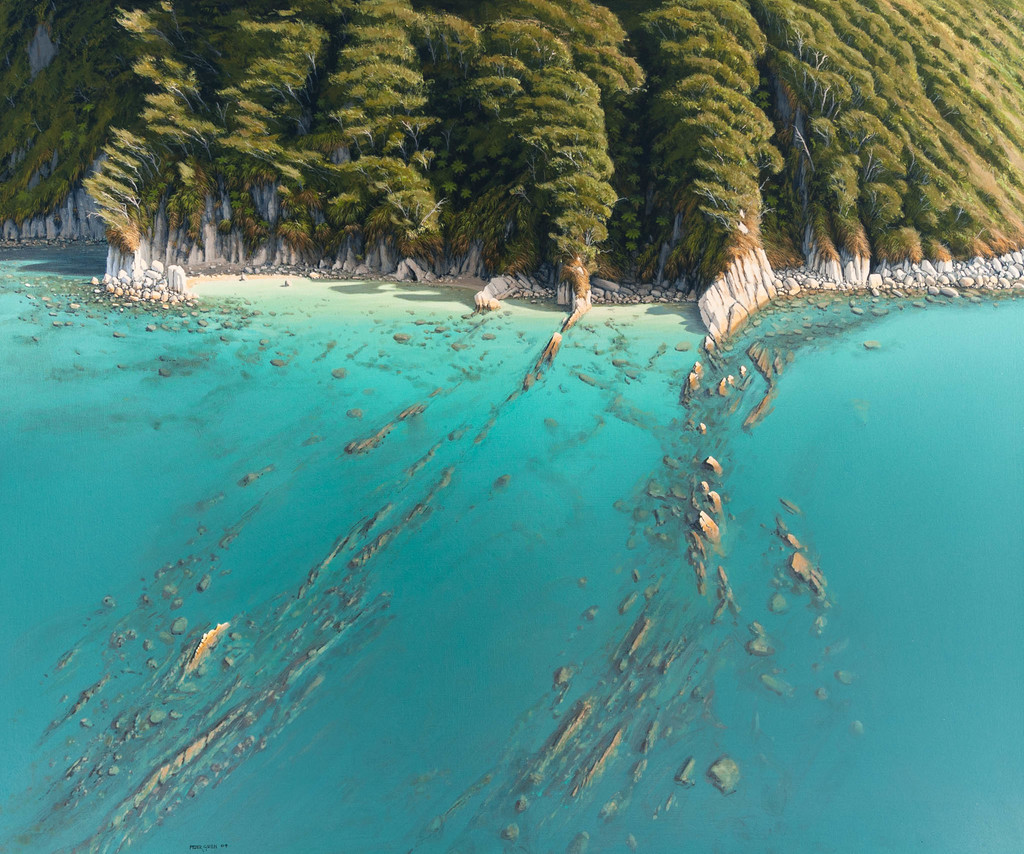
x=152 y=286
x=725 y=306
x=739 y=293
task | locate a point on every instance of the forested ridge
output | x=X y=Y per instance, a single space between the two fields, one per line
x=642 y=139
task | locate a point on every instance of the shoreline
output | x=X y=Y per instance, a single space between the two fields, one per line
x=157 y=290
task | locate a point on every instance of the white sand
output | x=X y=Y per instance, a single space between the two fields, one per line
x=394 y=298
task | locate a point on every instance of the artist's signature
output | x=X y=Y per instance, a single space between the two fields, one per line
x=207 y=847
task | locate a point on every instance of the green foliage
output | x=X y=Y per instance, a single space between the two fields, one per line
x=661 y=136
x=382 y=123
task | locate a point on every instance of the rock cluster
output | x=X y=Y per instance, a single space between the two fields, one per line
x=153 y=285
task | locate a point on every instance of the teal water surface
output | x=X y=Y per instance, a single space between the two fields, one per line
x=464 y=616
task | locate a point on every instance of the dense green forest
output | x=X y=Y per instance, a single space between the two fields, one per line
x=633 y=138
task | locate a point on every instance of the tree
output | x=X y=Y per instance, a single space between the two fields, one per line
x=712 y=142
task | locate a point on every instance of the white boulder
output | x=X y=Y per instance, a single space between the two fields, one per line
x=176 y=281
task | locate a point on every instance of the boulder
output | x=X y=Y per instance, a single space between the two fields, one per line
x=418 y=273
x=724 y=774
x=403 y=273
x=157 y=267
x=713 y=464
x=499 y=287
x=483 y=300
x=709 y=528
x=176 y=281
x=953 y=293
x=604 y=285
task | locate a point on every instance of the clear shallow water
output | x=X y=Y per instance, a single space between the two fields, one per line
x=401 y=694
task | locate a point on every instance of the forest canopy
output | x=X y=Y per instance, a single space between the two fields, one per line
x=650 y=139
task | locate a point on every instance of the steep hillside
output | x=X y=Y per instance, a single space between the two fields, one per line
x=677 y=142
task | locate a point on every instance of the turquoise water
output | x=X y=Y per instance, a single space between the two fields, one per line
x=392 y=677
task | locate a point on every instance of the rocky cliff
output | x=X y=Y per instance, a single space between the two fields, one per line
x=74 y=219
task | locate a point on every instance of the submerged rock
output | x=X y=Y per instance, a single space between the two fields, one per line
x=724 y=774
x=777 y=685
x=579 y=844
x=790 y=507
x=685 y=774
x=562 y=676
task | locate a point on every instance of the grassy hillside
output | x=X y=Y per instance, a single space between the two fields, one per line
x=659 y=139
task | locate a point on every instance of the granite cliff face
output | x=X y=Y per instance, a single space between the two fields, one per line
x=217 y=246
x=747 y=284
x=76 y=218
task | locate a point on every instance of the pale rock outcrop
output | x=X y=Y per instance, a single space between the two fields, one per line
x=403 y=273
x=563 y=293
x=850 y=267
x=482 y=301
x=176 y=282
x=41 y=50
x=745 y=285
x=494 y=291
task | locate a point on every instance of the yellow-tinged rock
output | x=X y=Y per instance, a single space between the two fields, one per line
x=800 y=566
x=714 y=465
x=709 y=528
